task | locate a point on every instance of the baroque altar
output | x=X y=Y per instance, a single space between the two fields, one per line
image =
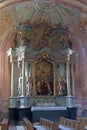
x=42 y=67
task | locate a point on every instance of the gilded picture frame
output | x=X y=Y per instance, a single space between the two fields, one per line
x=44 y=77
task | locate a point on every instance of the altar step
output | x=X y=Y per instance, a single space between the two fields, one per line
x=16 y=128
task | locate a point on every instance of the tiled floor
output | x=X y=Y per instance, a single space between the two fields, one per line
x=20 y=127
x=12 y=128
x=16 y=126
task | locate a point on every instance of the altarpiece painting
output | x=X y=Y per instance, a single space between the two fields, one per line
x=44 y=77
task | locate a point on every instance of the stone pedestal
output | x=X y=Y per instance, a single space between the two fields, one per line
x=13 y=115
x=24 y=112
x=72 y=112
x=16 y=115
x=14 y=102
x=70 y=101
x=19 y=102
x=23 y=102
x=19 y=109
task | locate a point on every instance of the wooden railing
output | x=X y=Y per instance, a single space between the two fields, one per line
x=28 y=124
x=4 y=124
x=83 y=123
x=68 y=124
x=48 y=124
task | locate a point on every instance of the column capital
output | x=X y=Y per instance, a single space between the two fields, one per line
x=12 y=54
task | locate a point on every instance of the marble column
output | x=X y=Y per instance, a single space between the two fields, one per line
x=12 y=79
x=23 y=79
x=13 y=99
x=23 y=98
x=69 y=98
x=72 y=75
x=68 y=75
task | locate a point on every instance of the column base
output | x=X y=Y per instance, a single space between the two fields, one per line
x=72 y=112
x=24 y=112
x=70 y=101
x=16 y=115
x=14 y=102
x=13 y=116
x=23 y=102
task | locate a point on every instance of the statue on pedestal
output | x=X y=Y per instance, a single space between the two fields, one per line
x=19 y=86
x=62 y=87
x=29 y=85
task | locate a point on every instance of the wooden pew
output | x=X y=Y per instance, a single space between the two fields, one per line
x=68 y=124
x=46 y=124
x=28 y=124
x=4 y=124
x=83 y=122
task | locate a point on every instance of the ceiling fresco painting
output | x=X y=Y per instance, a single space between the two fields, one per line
x=80 y=4
x=67 y=12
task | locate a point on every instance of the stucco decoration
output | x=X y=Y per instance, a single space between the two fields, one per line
x=80 y=28
x=42 y=36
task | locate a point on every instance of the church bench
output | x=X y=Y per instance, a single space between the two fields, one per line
x=28 y=124
x=4 y=124
x=68 y=124
x=83 y=122
x=39 y=127
x=46 y=124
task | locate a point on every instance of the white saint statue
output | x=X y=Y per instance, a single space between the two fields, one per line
x=62 y=86
x=29 y=85
x=20 y=85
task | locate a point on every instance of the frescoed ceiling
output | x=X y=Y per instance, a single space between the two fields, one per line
x=14 y=12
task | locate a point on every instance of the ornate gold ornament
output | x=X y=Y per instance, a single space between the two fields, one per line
x=45 y=55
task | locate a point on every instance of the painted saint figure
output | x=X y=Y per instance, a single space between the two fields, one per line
x=43 y=88
x=62 y=87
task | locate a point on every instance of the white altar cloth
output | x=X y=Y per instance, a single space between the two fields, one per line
x=47 y=108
